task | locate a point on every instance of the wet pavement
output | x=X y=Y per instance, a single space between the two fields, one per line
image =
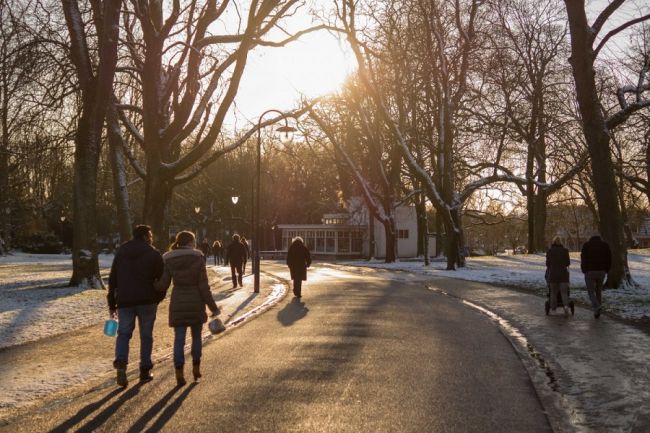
x=595 y=374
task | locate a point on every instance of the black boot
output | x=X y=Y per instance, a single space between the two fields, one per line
x=145 y=375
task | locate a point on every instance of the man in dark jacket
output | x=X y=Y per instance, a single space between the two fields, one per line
x=131 y=295
x=236 y=255
x=595 y=262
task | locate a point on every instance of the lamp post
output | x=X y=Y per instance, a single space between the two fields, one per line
x=197 y=209
x=286 y=135
x=62 y=218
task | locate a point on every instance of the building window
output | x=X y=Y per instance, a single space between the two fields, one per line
x=344 y=242
x=402 y=234
x=330 y=241
x=357 y=242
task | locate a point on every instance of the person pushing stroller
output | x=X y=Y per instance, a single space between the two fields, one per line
x=557 y=276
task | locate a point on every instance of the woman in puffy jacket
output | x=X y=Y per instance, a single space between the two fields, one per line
x=557 y=264
x=185 y=267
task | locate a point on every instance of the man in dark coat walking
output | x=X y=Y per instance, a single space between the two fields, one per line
x=236 y=255
x=595 y=262
x=131 y=295
x=298 y=260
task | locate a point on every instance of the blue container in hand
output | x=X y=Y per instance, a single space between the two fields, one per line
x=110 y=328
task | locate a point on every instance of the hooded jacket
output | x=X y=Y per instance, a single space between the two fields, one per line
x=131 y=282
x=185 y=267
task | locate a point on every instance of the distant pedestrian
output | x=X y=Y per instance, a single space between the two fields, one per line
x=205 y=249
x=3 y=245
x=595 y=263
x=131 y=295
x=236 y=255
x=557 y=265
x=298 y=260
x=217 y=251
x=248 y=254
x=185 y=267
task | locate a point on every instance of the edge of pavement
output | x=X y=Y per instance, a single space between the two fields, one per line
x=593 y=378
x=234 y=316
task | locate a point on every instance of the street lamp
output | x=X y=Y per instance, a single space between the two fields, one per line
x=286 y=135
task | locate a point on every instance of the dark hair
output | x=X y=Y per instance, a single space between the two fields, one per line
x=141 y=231
x=183 y=239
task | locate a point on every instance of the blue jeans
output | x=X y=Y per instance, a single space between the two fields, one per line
x=146 y=315
x=179 y=344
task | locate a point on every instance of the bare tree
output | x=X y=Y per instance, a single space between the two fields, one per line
x=95 y=80
x=597 y=127
x=185 y=75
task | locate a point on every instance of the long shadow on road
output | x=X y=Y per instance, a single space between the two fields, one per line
x=101 y=417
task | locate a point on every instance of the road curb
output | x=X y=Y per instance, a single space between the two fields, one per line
x=557 y=406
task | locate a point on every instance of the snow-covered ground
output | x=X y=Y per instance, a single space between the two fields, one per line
x=34 y=302
x=526 y=271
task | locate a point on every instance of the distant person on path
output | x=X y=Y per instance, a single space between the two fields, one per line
x=298 y=260
x=236 y=256
x=205 y=248
x=595 y=262
x=248 y=254
x=131 y=295
x=217 y=251
x=185 y=267
x=557 y=265
x=3 y=246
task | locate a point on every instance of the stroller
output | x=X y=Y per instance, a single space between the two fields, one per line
x=547 y=304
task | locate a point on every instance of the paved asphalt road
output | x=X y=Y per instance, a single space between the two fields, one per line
x=359 y=353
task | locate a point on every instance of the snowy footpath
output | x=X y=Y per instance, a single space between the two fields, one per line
x=51 y=341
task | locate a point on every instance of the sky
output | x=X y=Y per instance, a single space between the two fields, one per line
x=317 y=64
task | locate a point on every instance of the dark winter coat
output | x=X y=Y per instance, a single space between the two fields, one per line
x=236 y=253
x=185 y=267
x=298 y=260
x=205 y=248
x=557 y=263
x=131 y=282
x=595 y=255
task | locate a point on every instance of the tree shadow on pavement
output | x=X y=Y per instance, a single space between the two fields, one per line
x=169 y=411
x=101 y=417
x=292 y=312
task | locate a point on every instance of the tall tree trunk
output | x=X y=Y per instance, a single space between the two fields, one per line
x=597 y=138
x=439 y=232
x=158 y=193
x=391 y=241
x=540 y=244
x=5 y=205
x=371 y=236
x=85 y=264
x=420 y=215
x=120 y=186
x=96 y=90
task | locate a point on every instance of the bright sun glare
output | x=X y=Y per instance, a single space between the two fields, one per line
x=315 y=65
